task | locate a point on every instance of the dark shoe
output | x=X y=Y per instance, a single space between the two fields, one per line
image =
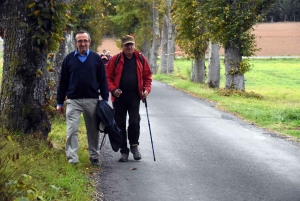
x=95 y=162
x=124 y=157
x=135 y=151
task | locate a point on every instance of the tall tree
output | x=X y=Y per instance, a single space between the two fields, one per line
x=155 y=38
x=286 y=9
x=67 y=46
x=167 y=41
x=230 y=23
x=214 y=66
x=191 y=35
x=32 y=30
x=91 y=16
x=164 y=46
x=134 y=18
x=171 y=39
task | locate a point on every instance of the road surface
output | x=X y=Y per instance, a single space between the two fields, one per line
x=201 y=154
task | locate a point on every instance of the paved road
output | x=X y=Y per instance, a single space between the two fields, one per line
x=201 y=154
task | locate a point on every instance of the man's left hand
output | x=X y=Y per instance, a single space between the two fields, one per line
x=145 y=94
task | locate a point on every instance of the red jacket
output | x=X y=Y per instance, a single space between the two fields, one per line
x=114 y=74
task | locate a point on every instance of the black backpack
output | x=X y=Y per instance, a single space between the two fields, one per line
x=119 y=56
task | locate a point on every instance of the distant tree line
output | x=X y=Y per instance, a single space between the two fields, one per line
x=284 y=11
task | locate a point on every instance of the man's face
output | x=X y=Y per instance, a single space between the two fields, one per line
x=82 y=43
x=128 y=48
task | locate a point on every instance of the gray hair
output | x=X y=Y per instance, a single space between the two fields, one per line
x=82 y=32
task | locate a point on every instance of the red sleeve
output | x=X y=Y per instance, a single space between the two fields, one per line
x=147 y=75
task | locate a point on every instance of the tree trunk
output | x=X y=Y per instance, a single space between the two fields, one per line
x=65 y=48
x=156 y=39
x=146 y=49
x=198 y=73
x=171 y=41
x=234 y=79
x=214 y=66
x=164 y=47
x=24 y=88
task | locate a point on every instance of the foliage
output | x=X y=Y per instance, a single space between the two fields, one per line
x=241 y=67
x=90 y=16
x=49 y=20
x=13 y=182
x=231 y=22
x=38 y=169
x=244 y=94
x=284 y=10
x=133 y=17
x=190 y=32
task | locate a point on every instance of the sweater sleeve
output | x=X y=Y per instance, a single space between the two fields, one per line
x=147 y=76
x=63 y=83
x=102 y=81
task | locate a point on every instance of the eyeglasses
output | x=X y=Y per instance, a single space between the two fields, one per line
x=129 y=44
x=83 y=41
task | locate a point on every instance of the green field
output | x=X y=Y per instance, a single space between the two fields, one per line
x=276 y=81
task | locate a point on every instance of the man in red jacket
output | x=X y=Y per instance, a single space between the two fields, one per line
x=129 y=81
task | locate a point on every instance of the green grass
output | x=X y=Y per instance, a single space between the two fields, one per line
x=52 y=177
x=275 y=80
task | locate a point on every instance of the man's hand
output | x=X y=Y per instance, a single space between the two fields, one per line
x=60 y=109
x=117 y=93
x=145 y=93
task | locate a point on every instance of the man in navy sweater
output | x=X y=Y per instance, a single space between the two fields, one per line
x=82 y=76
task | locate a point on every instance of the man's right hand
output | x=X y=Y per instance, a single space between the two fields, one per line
x=60 y=109
x=117 y=93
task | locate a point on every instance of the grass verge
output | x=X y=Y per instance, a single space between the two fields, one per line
x=43 y=172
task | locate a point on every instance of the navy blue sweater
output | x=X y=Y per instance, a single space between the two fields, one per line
x=82 y=80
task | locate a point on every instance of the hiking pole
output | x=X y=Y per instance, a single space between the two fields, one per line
x=103 y=141
x=149 y=125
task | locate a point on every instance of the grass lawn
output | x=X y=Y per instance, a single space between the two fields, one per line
x=276 y=81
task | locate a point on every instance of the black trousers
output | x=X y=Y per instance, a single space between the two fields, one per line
x=128 y=103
